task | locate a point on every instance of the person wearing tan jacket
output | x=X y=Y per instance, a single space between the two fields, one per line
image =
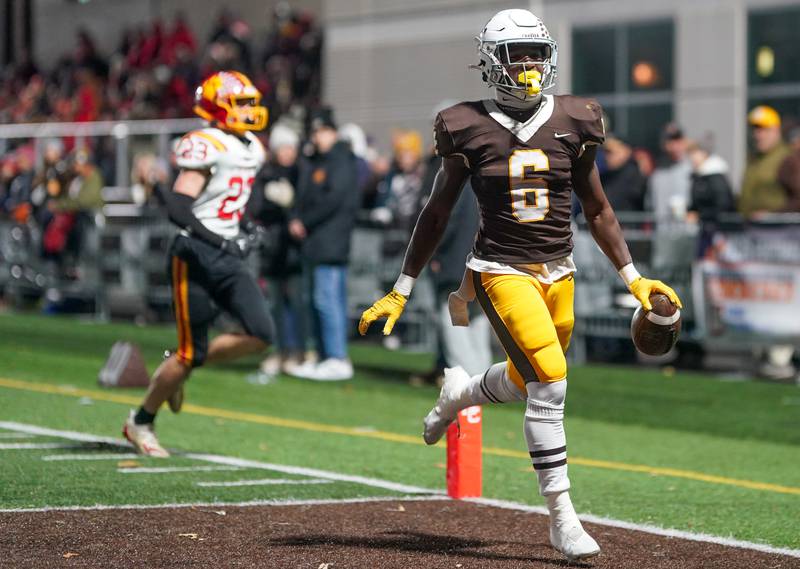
x=761 y=191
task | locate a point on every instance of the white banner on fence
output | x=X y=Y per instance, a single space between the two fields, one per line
x=751 y=298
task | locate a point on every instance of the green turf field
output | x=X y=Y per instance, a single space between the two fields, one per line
x=684 y=451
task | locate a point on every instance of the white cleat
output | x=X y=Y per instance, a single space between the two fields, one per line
x=143 y=438
x=572 y=541
x=447 y=406
x=331 y=369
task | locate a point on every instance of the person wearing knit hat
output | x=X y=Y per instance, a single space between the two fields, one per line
x=761 y=191
x=274 y=194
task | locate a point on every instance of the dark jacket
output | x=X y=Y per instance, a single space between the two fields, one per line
x=459 y=237
x=711 y=192
x=280 y=254
x=789 y=178
x=625 y=187
x=457 y=241
x=328 y=200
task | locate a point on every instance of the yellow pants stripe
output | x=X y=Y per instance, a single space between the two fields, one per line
x=180 y=298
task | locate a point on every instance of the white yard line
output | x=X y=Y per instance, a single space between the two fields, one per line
x=168 y=469
x=16 y=436
x=263 y=482
x=90 y=456
x=34 y=446
x=315 y=473
x=217 y=505
x=374 y=482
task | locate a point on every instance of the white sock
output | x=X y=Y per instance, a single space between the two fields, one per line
x=492 y=386
x=562 y=513
x=544 y=431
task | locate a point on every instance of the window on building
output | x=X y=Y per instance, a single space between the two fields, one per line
x=773 y=62
x=628 y=68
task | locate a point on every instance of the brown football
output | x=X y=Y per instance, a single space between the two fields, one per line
x=655 y=332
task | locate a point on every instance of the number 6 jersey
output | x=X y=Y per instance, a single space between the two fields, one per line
x=521 y=175
x=232 y=163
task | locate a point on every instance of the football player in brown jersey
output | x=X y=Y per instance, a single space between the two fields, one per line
x=525 y=153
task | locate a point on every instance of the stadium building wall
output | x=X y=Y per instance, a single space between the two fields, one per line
x=389 y=63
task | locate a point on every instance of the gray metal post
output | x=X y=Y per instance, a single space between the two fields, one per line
x=122 y=167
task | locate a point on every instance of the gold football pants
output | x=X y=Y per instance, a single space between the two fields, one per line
x=533 y=321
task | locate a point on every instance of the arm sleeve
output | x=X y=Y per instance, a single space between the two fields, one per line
x=342 y=180
x=179 y=210
x=198 y=150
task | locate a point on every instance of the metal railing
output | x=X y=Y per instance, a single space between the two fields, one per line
x=160 y=131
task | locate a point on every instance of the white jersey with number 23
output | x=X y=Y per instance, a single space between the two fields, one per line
x=232 y=163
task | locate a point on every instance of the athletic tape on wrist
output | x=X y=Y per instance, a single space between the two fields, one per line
x=404 y=284
x=629 y=274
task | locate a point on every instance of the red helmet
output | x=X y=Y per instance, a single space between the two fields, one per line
x=230 y=99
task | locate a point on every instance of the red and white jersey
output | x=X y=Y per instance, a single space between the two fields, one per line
x=232 y=163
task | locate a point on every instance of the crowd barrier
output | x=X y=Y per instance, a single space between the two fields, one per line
x=744 y=292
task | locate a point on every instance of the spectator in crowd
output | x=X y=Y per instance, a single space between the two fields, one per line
x=16 y=181
x=355 y=137
x=465 y=346
x=49 y=180
x=323 y=219
x=149 y=177
x=669 y=184
x=274 y=195
x=153 y=70
x=762 y=193
x=71 y=209
x=400 y=196
x=789 y=173
x=622 y=180
x=710 y=194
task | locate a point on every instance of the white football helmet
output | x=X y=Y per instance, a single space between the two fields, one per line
x=517 y=58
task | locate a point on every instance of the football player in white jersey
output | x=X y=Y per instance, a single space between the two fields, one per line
x=206 y=259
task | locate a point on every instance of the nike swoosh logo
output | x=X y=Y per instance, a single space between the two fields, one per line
x=562 y=135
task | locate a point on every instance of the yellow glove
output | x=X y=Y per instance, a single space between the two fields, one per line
x=390 y=306
x=642 y=288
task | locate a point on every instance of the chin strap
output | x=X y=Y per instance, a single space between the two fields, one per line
x=508 y=100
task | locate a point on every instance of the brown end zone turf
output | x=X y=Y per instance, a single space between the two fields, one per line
x=391 y=534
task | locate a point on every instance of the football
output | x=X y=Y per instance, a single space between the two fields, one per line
x=655 y=332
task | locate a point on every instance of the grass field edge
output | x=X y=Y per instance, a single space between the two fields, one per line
x=426 y=495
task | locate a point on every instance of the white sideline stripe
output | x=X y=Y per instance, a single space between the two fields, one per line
x=16 y=436
x=230 y=461
x=646 y=528
x=166 y=469
x=314 y=473
x=263 y=482
x=34 y=446
x=72 y=435
x=97 y=456
x=249 y=503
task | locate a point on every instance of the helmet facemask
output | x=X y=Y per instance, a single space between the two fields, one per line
x=244 y=112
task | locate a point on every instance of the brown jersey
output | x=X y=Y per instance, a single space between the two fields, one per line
x=521 y=172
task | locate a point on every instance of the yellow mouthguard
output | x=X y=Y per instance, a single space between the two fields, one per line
x=531 y=80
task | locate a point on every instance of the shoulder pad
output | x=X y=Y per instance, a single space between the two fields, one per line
x=199 y=150
x=452 y=126
x=588 y=117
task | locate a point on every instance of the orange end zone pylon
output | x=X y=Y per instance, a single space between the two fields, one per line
x=464 y=454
